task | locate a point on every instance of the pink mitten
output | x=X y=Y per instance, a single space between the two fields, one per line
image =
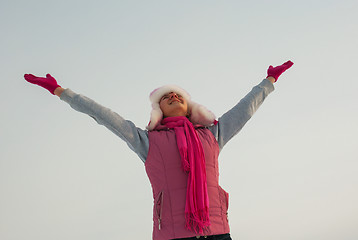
x=275 y=72
x=49 y=82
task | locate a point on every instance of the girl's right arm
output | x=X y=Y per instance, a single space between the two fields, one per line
x=136 y=138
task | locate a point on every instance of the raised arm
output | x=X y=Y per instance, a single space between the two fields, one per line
x=136 y=138
x=233 y=121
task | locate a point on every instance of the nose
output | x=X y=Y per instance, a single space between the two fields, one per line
x=172 y=95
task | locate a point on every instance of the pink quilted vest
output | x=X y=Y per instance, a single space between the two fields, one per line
x=169 y=181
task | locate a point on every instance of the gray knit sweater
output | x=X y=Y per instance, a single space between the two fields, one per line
x=228 y=125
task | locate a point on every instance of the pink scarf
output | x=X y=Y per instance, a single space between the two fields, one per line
x=193 y=162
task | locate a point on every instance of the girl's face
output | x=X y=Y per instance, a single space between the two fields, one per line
x=173 y=105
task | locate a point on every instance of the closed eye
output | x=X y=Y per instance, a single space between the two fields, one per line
x=167 y=96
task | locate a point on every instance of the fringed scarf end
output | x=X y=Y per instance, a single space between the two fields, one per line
x=198 y=221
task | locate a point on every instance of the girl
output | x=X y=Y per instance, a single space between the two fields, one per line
x=180 y=149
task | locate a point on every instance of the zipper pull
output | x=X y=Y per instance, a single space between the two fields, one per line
x=159 y=223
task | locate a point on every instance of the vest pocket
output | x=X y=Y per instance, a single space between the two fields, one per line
x=225 y=199
x=159 y=208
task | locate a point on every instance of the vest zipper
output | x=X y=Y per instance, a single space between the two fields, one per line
x=159 y=208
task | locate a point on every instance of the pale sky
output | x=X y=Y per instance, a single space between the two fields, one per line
x=291 y=172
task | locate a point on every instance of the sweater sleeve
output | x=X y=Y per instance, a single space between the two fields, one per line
x=136 y=138
x=233 y=121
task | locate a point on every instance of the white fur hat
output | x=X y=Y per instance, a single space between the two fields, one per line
x=198 y=113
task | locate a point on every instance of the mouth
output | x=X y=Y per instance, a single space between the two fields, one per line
x=175 y=100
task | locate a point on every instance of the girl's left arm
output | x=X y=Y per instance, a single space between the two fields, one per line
x=234 y=120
